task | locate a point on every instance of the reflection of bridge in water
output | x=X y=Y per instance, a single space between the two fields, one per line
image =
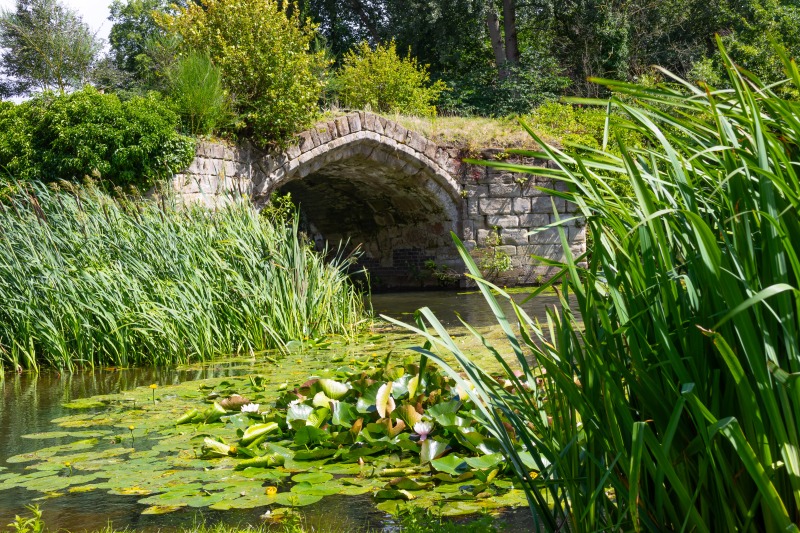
x=368 y=180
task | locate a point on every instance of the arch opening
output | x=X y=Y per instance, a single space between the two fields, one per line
x=397 y=211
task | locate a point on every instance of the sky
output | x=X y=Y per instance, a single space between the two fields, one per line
x=95 y=14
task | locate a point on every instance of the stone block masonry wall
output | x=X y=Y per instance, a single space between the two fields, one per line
x=218 y=173
x=515 y=207
x=368 y=180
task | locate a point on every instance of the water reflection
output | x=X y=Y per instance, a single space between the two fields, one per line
x=447 y=305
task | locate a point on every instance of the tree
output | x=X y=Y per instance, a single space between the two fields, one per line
x=386 y=82
x=268 y=66
x=133 y=27
x=45 y=46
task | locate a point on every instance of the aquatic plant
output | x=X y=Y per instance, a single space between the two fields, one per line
x=354 y=429
x=668 y=395
x=87 y=280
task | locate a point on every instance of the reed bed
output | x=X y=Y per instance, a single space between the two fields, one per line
x=675 y=404
x=89 y=280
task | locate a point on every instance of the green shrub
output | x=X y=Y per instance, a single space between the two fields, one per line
x=200 y=99
x=266 y=61
x=89 y=133
x=478 y=91
x=665 y=391
x=88 y=280
x=384 y=82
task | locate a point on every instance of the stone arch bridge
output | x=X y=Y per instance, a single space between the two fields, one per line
x=367 y=180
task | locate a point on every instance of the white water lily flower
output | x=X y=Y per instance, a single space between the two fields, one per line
x=250 y=408
x=423 y=429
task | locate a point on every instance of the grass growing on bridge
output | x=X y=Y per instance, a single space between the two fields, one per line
x=86 y=280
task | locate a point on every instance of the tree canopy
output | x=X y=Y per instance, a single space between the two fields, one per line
x=45 y=46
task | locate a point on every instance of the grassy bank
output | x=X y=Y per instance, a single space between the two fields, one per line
x=86 y=280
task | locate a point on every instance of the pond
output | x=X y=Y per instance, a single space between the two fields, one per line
x=30 y=404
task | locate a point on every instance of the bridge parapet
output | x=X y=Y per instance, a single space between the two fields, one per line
x=368 y=179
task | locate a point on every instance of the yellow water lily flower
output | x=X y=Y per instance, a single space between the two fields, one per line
x=271 y=491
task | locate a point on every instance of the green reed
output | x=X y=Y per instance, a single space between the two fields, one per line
x=664 y=393
x=88 y=280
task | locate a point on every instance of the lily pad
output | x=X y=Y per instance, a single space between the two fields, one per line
x=312 y=477
x=294 y=499
x=317 y=489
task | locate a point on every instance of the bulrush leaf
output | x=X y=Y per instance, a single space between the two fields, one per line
x=333 y=389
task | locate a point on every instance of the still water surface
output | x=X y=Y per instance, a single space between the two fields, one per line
x=29 y=403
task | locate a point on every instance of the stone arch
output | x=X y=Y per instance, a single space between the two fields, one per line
x=368 y=179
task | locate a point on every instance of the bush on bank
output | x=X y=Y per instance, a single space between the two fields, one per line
x=88 y=133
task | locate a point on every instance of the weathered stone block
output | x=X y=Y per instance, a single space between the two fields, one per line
x=544 y=204
x=504 y=190
x=430 y=150
x=534 y=220
x=342 y=126
x=229 y=168
x=577 y=235
x=508 y=249
x=503 y=221
x=229 y=154
x=544 y=236
x=355 y=122
x=522 y=205
x=495 y=206
x=417 y=141
x=367 y=122
x=399 y=133
x=293 y=151
x=514 y=236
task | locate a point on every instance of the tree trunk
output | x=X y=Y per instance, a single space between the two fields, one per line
x=358 y=7
x=493 y=22
x=510 y=30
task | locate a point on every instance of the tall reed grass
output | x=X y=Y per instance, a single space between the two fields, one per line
x=664 y=394
x=88 y=280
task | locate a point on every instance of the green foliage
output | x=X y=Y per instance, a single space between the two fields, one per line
x=669 y=400
x=86 y=280
x=493 y=260
x=265 y=57
x=133 y=25
x=478 y=90
x=33 y=524
x=87 y=133
x=197 y=90
x=380 y=80
x=45 y=46
x=280 y=209
x=416 y=520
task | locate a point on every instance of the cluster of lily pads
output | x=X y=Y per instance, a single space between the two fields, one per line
x=404 y=434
